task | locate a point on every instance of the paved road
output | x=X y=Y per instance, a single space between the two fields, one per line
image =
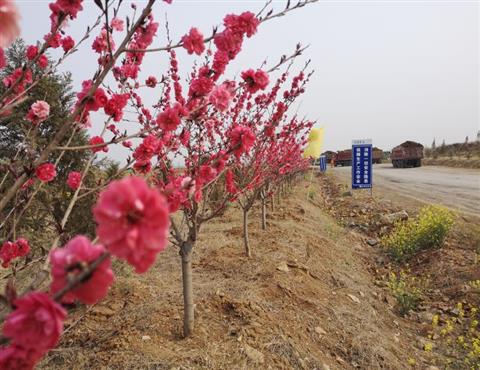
x=456 y=188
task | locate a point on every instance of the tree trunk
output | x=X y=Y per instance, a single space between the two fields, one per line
x=245 y=233
x=264 y=214
x=272 y=202
x=188 y=311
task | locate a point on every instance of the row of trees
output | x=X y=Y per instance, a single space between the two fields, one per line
x=236 y=141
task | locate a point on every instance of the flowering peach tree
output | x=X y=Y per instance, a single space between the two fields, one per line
x=230 y=137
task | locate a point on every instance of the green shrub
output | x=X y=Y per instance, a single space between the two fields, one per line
x=428 y=230
x=406 y=291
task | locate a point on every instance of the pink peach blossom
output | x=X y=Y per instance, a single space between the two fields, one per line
x=39 y=112
x=69 y=261
x=46 y=172
x=133 y=221
x=74 y=179
x=36 y=323
x=9 y=27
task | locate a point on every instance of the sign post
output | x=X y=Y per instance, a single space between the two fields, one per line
x=362 y=164
x=323 y=163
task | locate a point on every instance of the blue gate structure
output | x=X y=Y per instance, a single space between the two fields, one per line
x=362 y=164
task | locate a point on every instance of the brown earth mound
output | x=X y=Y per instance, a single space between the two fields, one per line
x=307 y=299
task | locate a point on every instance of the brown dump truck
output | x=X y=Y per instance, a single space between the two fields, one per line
x=408 y=154
x=377 y=155
x=343 y=158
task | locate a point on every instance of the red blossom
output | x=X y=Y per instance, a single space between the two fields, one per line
x=3 y=61
x=133 y=221
x=230 y=183
x=147 y=149
x=26 y=77
x=70 y=7
x=9 y=251
x=117 y=24
x=245 y=23
x=97 y=140
x=200 y=87
x=115 y=106
x=67 y=43
x=206 y=174
x=255 y=80
x=42 y=61
x=142 y=167
x=151 y=81
x=39 y=112
x=9 y=23
x=46 y=172
x=74 y=180
x=36 y=323
x=53 y=40
x=32 y=52
x=14 y=357
x=229 y=43
x=220 y=97
x=169 y=119
x=220 y=61
x=22 y=247
x=100 y=44
x=193 y=42
x=242 y=139
x=94 y=103
x=73 y=259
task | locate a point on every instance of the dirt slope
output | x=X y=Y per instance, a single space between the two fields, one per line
x=305 y=300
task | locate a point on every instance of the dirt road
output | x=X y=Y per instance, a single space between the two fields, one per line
x=456 y=188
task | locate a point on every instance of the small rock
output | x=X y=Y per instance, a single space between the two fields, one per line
x=394 y=217
x=220 y=293
x=254 y=355
x=325 y=367
x=319 y=330
x=353 y=298
x=283 y=267
x=146 y=337
x=347 y=194
x=372 y=242
x=103 y=311
x=433 y=368
x=426 y=317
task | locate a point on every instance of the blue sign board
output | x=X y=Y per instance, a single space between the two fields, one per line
x=361 y=164
x=323 y=163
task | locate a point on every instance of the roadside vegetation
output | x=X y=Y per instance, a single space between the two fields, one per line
x=466 y=155
x=406 y=289
x=427 y=231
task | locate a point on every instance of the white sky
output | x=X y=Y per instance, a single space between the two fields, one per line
x=386 y=70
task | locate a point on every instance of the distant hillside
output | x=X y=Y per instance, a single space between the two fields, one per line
x=454 y=155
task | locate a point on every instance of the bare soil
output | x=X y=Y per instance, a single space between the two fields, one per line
x=308 y=298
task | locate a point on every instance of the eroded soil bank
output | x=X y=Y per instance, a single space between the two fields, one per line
x=308 y=298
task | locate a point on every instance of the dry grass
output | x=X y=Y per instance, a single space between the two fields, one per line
x=300 y=319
